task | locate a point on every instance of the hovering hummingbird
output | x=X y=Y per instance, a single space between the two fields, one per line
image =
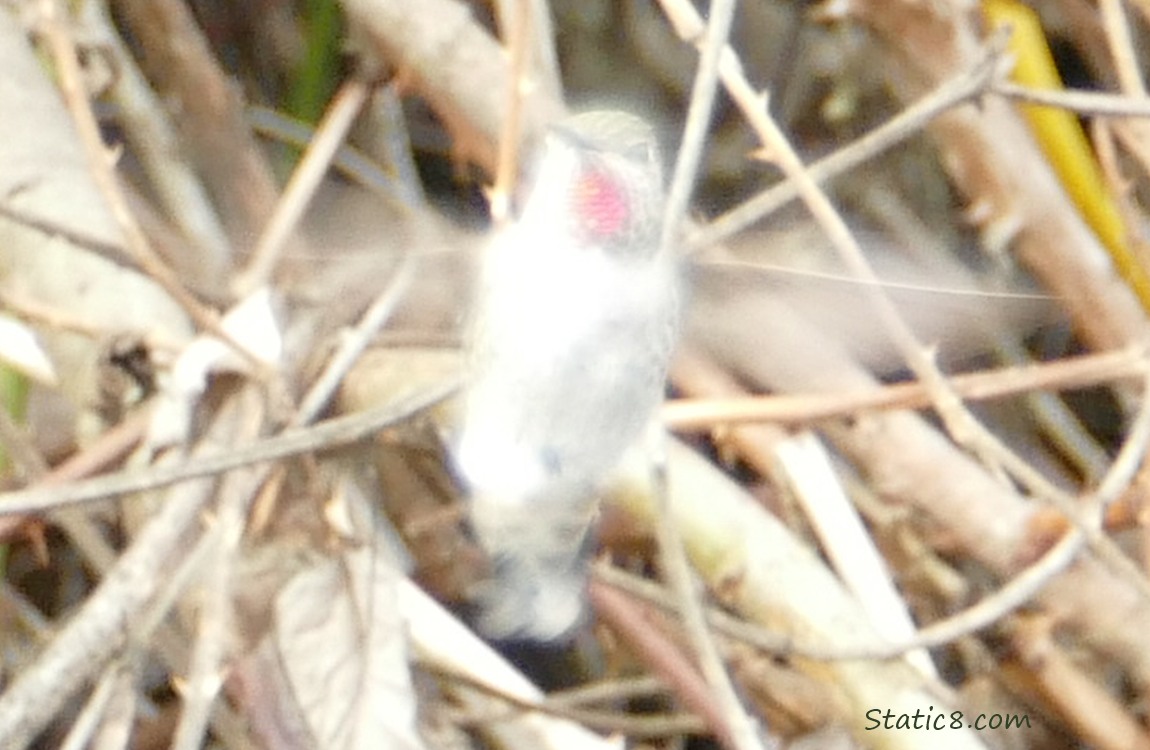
x=575 y=317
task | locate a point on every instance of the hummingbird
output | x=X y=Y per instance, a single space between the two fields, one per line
x=574 y=320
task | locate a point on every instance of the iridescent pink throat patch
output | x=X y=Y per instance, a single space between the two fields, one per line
x=603 y=208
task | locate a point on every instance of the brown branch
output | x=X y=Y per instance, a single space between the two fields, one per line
x=444 y=55
x=210 y=113
x=1067 y=374
x=1041 y=667
x=636 y=625
x=1012 y=193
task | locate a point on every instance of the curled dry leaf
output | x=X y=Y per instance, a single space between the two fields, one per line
x=252 y=325
x=343 y=647
x=20 y=349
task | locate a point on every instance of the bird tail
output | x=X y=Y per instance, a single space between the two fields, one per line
x=539 y=553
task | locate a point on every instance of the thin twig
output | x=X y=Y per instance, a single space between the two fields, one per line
x=741 y=731
x=1122 y=48
x=611 y=690
x=156 y=145
x=1065 y=374
x=330 y=134
x=22 y=452
x=215 y=612
x=512 y=127
x=154 y=632
x=1054 y=419
x=119 y=725
x=698 y=119
x=399 y=188
x=88 y=721
x=387 y=110
x=354 y=343
x=1135 y=134
x=49 y=316
x=110 y=447
x=544 y=63
x=661 y=656
x=329 y=434
x=685 y=586
x=1082 y=102
x=606 y=721
x=965 y=86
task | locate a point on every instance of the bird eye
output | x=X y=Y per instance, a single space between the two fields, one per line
x=640 y=152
